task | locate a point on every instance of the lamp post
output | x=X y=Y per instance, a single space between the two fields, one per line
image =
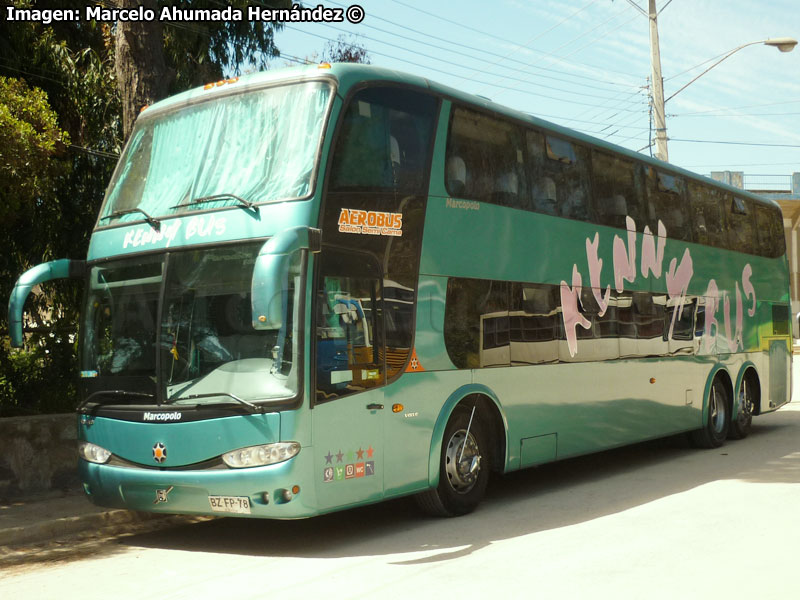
x=783 y=44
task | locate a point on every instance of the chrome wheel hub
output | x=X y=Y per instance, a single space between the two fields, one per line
x=745 y=404
x=462 y=461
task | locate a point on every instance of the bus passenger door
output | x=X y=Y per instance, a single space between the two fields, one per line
x=349 y=376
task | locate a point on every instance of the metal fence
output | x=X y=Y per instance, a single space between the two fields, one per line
x=768 y=183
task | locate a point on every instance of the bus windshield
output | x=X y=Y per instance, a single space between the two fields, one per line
x=188 y=339
x=258 y=146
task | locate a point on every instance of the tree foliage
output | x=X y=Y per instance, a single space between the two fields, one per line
x=29 y=137
x=346 y=49
x=61 y=116
x=155 y=59
x=71 y=103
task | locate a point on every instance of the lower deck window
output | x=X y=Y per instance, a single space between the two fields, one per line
x=496 y=323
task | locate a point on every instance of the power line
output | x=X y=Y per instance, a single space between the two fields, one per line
x=451 y=21
x=741 y=165
x=735 y=143
x=483 y=52
x=521 y=80
x=711 y=110
x=626 y=99
x=742 y=115
x=663 y=7
x=552 y=53
x=568 y=119
x=705 y=62
x=601 y=36
x=639 y=8
x=99 y=153
x=5 y=65
x=606 y=109
x=450 y=73
x=539 y=35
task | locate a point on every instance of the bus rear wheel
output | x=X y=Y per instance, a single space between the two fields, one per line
x=715 y=429
x=463 y=467
x=741 y=425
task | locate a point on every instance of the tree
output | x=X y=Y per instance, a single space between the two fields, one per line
x=346 y=50
x=155 y=59
x=141 y=70
x=33 y=166
x=71 y=149
x=70 y=109
x=29 y=138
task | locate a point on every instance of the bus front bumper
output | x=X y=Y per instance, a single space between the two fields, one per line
x=282 y=491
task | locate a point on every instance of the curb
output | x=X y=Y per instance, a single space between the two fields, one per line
x=45 y=531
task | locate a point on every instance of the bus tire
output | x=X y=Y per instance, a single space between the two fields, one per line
x=462 y=483
x=715 y=430
x=741 y=425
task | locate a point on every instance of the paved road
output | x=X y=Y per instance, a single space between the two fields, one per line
x=657 y=520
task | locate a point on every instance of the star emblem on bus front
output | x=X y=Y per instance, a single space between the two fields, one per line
x=159 y=452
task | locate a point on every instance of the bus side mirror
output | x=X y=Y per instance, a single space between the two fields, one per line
x=271 y=274
x=57 y=269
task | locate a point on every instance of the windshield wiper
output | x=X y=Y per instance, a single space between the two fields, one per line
x=205 y=199
x=113 y=393
x=253 y=408
x=152 y=221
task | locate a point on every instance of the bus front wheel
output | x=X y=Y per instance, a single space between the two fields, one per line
x=463 y=467
x=715 y=429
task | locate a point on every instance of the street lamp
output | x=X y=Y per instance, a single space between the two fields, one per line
x=784 y=44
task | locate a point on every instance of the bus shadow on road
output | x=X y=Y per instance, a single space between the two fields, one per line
x=526 y=502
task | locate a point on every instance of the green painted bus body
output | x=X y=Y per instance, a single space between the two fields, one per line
x=545 y=412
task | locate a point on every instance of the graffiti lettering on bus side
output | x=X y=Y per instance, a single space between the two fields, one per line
x=370 y=222
x=201 y=226
x=677 y=278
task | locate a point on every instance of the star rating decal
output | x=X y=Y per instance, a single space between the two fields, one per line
x=356 y=466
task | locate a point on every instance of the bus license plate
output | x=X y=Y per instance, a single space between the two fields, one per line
x=230 y=504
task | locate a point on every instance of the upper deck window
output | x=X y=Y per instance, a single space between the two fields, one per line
x=261 y=146
x=485 y=159
x=742 y=225
x=769 y=224
x=666 y=195
x=617 y=191
x=566 y=177
x=385 y=142
x=707 y=204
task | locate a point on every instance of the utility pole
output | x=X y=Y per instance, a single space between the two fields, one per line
x=658 y=87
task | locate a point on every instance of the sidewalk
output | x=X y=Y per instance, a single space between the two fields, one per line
x=43 y=519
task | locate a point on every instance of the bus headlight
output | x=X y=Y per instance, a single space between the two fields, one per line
x=93 y=453
x=259 y=456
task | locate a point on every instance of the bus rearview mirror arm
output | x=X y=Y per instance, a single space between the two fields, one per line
x=56 y=269
x=271 y=272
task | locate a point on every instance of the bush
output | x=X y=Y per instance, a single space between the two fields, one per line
x=39 y=379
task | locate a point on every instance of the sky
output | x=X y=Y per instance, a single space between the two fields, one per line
x=585 y=64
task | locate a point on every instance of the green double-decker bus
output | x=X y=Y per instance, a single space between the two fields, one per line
x=316 y=288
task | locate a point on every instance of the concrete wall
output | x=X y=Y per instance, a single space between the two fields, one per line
x=37 y=454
